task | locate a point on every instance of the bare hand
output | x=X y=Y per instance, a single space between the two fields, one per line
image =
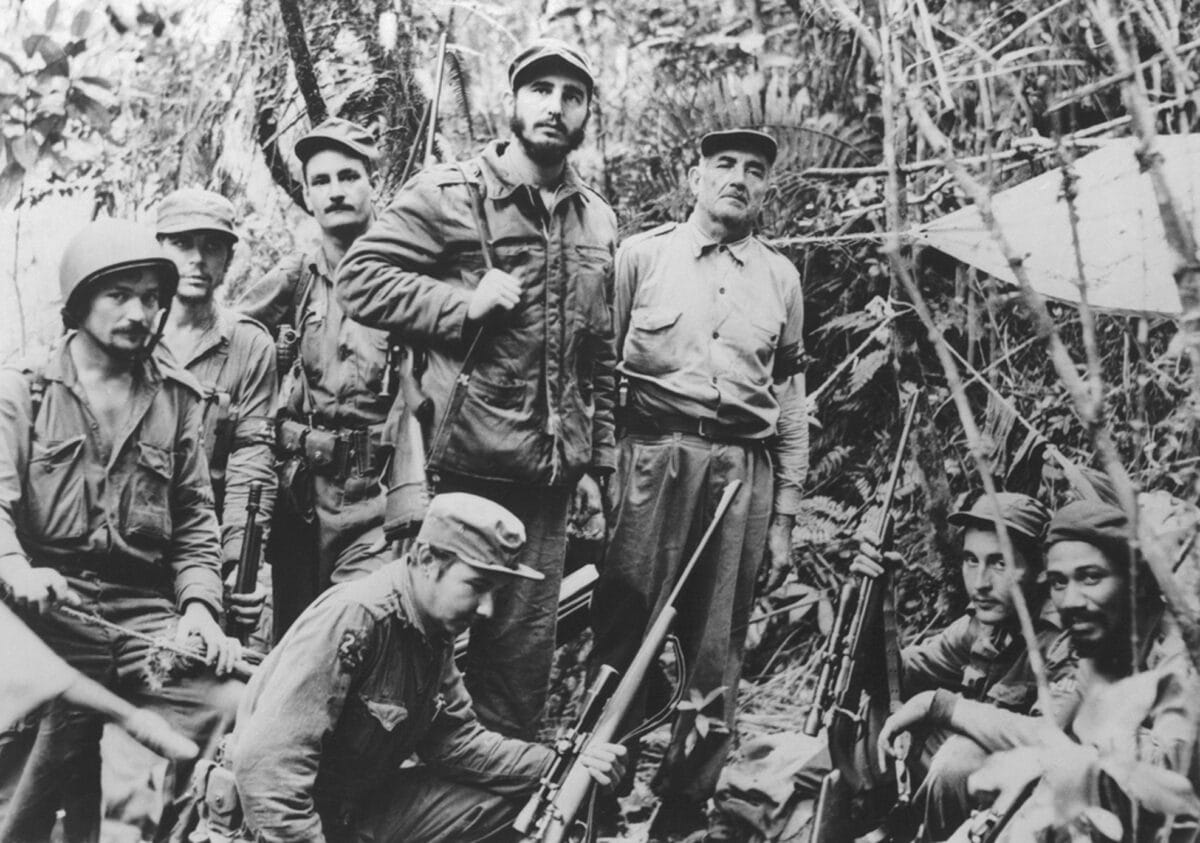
x=910 y=714
x=870 y=562
x=605 y=762
x=779 y=546
x=245 y=610
x=497 y=290
x=36 y=589
x=220 y=650
x=587 y=509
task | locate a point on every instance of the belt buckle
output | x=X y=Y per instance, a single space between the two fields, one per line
x=704 y=428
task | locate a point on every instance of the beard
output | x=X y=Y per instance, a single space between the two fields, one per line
x=547 y=153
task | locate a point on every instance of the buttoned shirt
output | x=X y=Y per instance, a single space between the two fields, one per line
x=234 y=362
x=138 y=509
x=712 y=330
x=343 y=362
x=354 y=689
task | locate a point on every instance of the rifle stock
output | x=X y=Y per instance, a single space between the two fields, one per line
x=553 y=822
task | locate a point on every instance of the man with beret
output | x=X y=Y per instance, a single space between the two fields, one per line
x=233 y=358
x=1089 y=563
x=500 y=269
x=106 y=505
x=366 y=678
x=334 y=403
x=708 y=322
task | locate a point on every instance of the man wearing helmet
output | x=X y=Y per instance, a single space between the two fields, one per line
x=106 y=506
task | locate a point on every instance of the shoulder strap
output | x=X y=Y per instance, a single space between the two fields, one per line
x=37 y=393
x=479 y=212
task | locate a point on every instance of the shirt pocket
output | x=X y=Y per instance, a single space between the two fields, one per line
x=653 y=345
x=147 y=506
x=56 y=497
x=376 y=725
x=755 y=350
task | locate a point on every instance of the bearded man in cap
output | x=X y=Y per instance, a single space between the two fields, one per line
x=500 y=269
x=708 y=323
x=233 y=358
x=334 y=402
x=106 y=505
x=1089 y=563
x=366 y=678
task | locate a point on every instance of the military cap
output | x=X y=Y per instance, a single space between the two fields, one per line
x=336 y=133
x=478 y=531
x=1020 y=514
x=744 y=139
x=1101 y=525
x=550 y=51
x=192 y=209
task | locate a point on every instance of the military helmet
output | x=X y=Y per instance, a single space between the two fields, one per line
x=107 y=246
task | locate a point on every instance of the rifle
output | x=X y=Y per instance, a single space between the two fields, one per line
x=986 y=825
x=247 y=567
x=550 y=814
x=864 y=609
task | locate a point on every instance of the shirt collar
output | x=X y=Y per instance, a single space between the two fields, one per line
x=402 y=585
x=702 y=243
x=60 y=366
x=217 y=334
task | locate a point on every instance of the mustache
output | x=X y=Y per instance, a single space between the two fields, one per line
x=338 y=206
x=1073 y=616
x=558 y=125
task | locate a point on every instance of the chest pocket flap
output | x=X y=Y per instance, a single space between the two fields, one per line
x=389 y=715
x=653 y=318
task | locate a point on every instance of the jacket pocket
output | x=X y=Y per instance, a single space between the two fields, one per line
x=148 y=509
x=592 y=285
x=56 y=498
x=653 y=345
x=493 y=433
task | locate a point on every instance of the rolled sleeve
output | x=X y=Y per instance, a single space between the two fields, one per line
x=385 y=281
x=291 y=707
x=791 y=448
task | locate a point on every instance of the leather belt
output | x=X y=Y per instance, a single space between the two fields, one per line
x=705 y=428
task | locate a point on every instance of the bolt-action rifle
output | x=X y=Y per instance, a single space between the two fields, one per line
x=849 y=684
x=549 y=816
x=247 y=568
x=986 y=825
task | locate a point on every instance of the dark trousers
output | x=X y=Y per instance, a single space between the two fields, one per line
x=507 y=667
x=668 y=488
x=342 y=541
x=63 y=765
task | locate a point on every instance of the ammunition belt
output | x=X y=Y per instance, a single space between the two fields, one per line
x=333 y=453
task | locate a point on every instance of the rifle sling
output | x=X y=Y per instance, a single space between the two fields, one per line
x=458 y=395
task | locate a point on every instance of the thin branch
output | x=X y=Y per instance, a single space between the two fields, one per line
x=306 y=77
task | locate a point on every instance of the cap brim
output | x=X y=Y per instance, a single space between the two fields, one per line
x=310 y=145
x=522 y=571
x=180 y=228
x=741 y=139
x=970 y=519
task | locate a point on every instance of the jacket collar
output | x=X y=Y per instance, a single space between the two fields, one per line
x=60 y=366
x=500 y=183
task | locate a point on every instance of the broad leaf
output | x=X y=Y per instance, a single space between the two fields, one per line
x=25 y=150
x=57 y=63
x=80 y=23
x=10 y=182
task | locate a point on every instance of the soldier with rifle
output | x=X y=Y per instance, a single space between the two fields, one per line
x=980 y=656
x=709 y=326
x=336 y=393
x=1089 y=566
x=500 y=269
x=366 y=678
x=106 y=505
x=233 y=358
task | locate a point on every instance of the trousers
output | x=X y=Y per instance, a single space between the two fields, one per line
x=62 y=766
x=341 y=540
x=508 y=661
x=667 y=491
